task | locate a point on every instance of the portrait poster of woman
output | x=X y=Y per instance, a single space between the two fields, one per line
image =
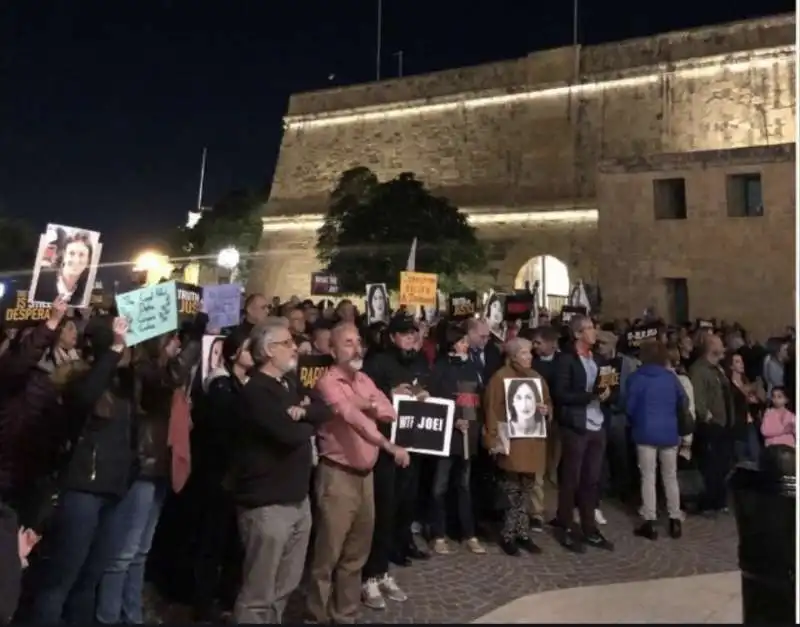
x=377 y=302
x=494 y=315
x=523 y=397
x=212 y=354
x=66 y=265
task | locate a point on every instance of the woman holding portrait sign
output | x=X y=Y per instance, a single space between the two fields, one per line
x=521 y=455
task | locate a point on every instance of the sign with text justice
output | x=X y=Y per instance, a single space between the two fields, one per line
x=418 y=288
x=424 y=427
x=150 y=311
x=188 y=300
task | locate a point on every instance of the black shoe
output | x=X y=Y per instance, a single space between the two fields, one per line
x=537 y=524
x=646 y=530
x=399 y=559
x=416 y=553
x=675 y=528
x=529 y=545
x=568 y=540
x=509 y=547
x=598 y=541
x=555 y=523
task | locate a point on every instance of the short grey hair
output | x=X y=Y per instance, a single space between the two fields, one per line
x=262 y=335
x=516 y=346
x=576 y=324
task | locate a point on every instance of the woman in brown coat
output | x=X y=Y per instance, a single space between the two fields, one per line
x=526 y=456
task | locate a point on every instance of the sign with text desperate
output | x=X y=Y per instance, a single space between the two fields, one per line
x=418 y=288
x=424 y=427
x=463 y=305
x=150 y=311
x=311 y=368
x=21 y=312
x=189 y=297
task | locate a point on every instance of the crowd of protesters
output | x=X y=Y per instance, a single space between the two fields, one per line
x=120 y=464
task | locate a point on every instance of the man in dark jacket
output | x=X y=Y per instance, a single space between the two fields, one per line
x=582 y=426
x=398 y=370
x=545 y=347
x=271 y=474
x=483 y=349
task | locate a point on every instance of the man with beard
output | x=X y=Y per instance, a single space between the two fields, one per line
x=398 y=370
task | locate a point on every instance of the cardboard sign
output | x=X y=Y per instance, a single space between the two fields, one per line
x=463 y=305
x=21 y=312
x=189 y=297
x=151 y=311
x=568 y=312
x=635 y=337
x=324 y=284
x=607 y=377
x=523 y=397
x=223 y=304
x=212 y=354
x=517 y=307
x=424 y=427
x=311 y=368
x=418 y=288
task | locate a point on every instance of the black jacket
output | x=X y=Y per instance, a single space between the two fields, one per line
x=569 y=391
x=10 y=565
x=391 y=368
x=273 y=455
x=457 y=379
x=103 y=459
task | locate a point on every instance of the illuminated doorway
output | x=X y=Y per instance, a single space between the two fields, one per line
x=553 y=277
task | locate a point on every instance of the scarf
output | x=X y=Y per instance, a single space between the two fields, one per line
x=180 y=424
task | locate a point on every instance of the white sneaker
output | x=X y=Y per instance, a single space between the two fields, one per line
x=371 y=595
x=599 y=518
x=390 y=588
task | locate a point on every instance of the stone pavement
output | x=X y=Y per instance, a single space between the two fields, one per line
x=690 y=600
x=463 y=587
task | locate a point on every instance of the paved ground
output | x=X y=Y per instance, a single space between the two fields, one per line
x=462 y=587
x=688 y=600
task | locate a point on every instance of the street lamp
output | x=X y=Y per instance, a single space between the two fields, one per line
x=228 y=258
x=150 y=267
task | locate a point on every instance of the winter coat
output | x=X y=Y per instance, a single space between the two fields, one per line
x=655 y=398
x=458 y=379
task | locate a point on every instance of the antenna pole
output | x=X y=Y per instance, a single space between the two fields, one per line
x=379 y=41
x=202 y=180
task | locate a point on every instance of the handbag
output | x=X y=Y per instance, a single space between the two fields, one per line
x=685 y=420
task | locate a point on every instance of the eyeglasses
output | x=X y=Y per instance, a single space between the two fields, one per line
x=288 y=343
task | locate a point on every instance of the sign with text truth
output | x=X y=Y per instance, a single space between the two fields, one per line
x=189 y=297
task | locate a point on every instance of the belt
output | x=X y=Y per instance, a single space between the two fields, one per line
x=344 y=468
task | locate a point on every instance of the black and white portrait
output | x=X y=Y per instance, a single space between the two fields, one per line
x=523 y=398
x=493 y=314
x=377 y=303
x=66 y=265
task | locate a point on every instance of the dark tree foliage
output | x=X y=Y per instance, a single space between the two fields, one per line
x=369 y=228
x=18 y=245
x=233 y=221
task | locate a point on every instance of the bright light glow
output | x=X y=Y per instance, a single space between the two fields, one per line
x=2 y=290
x=693 y=69
x=312 y=222
x=149 y=260
x=228 y=258
x=193 y=218
x=553 y=278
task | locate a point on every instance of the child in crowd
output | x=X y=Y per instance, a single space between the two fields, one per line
x=779 y=424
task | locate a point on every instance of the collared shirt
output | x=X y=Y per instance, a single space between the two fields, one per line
x=594 y=413
x=352 y=437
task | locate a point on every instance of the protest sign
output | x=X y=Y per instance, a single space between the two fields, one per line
x=21 y=312
x=523 y=398
x=424 y=427
x=212 y=354
x=463 y=305
x=568 y=312
x=517 y=307
x=418 y=288
x=188 y=302
x=223 y=304
x=310 y=368
x=150 y=311
x=634 y=338
x=324 y=284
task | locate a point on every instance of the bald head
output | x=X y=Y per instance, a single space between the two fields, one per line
x=346 y=347
x=714 y=349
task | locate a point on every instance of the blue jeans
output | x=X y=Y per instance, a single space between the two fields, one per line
x=74 y=557
x=441 y=481
x=748 y=449
x=119 y=596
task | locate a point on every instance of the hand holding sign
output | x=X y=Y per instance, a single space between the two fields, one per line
x=57 y=312
x=120 y=328
x=604 y=394
x=543 y=409
x=401 y=456
x=296 y=413
x=404 y=389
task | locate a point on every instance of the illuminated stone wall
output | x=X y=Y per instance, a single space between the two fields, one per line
x=736 y=268
x=512 y=136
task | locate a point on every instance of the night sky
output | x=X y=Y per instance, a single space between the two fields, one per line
x=105 y=105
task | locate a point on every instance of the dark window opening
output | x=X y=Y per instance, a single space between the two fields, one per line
x=669 y=197
x=744 y=196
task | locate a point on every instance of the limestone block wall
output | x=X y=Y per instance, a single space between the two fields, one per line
x=737 y=268
x=510 y=134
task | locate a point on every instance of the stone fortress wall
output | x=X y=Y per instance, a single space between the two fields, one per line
x=513 y=140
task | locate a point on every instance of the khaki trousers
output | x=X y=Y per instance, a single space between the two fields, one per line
x=345 y=518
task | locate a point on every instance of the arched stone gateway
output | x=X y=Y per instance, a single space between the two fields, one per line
x=553 y=277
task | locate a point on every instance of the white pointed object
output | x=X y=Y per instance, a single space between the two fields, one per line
x=411 y=264
x=578 y=297
x=534 y=320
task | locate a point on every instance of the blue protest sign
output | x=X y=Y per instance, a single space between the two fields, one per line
x=223 y=304
x=150 y=311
